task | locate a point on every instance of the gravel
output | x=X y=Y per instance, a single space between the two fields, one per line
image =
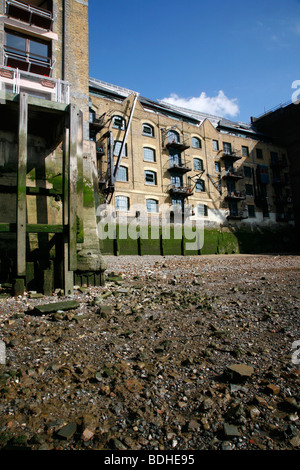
x=173 y=353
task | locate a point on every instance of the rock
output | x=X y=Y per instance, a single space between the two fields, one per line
x=239 y=372
x=67 y=431
x=231 y=431
x=55 y=306
x=87 y=435
x=273 y=389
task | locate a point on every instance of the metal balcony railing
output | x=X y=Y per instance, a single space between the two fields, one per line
x=15 y=81
x=30 y=14
x=27 y=61
x=235 y=195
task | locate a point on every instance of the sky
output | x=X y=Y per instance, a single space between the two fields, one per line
x=230 y=58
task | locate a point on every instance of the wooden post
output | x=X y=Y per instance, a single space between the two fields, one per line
x=21 y=185
x=80 y=234
x=73 y=146
x=68 y=275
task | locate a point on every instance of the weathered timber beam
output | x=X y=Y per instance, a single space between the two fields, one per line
x=73 y=149
x=21 y=185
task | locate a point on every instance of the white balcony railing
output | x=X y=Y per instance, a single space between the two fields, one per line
x=16 y=81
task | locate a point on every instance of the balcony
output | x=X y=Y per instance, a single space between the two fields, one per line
x=230 y=154
x=27 y=61
x=233 y=175
x=29 y=13
x=16 y=81
x=183 y=191
x=180 y=167
x=175 y=144
x=235 y=196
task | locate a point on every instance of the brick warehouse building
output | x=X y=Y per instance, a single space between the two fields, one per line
x=154 y=158
x=69 y=142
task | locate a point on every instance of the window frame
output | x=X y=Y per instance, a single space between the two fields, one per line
x=202 y=182
x=154 y=203
x=198 y=141
x=118 y=174
x=115 y=126
x=123 y=198
x=196 y=159
x=153 y=153
x=152 y=173
x=149 y=126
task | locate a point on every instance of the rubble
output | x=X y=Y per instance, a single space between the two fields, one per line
x=144 y=362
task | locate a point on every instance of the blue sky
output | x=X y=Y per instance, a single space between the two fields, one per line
x=231 y=58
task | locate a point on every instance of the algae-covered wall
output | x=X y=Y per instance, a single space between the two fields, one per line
x=215 y=241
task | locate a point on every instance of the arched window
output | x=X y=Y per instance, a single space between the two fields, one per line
x=122 y=174
x=118 y=123
x=122 y=203
x=152 y=205
x=148 y=130
x=117 y=148
x=200 y=186
x=198 y=164
x=150 y=177
x=173 y=136
x=149 y=154
x=196 y=143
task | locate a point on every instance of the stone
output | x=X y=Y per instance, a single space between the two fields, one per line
x=55 y=306
x=273 y=389
x=2 y=353
x=67 y=431
x=239 y=372
x=87 y=435
x=231 y=430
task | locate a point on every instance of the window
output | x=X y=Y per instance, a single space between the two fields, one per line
x=148 y=130
x=202 y=210
x=117 y=148
x=245 y=151
x=177 y=180
x=215 y=145
x=173 y=136
x=198 y=164
x=118 y=123
x=259 y=153
x=200 y=186
x=196 y=143
x=249 y=189
x=150 y=177
x=28 y=54
x=247 y=172
x=251 y=211
x=149 y=154
x=175 y=158
x=152 y=205
x=122 y=203
x=122 y=174
x=227 y=147
x=217 y=167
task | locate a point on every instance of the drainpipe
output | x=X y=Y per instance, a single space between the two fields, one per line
x=64 y=28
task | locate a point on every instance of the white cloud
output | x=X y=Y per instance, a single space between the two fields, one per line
x=218 y=105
